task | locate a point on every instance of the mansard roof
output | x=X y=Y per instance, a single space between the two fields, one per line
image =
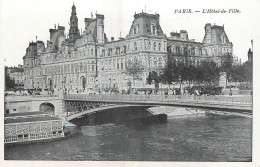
x=91 y=27
x=31 y=50
x=54 y=39
x=144 y=22
x=217 y=32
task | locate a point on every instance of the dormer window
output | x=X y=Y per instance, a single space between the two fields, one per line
x=223 y=38
x=153 y=29
x=135 y=30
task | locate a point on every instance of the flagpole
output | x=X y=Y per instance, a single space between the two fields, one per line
x=252 y=42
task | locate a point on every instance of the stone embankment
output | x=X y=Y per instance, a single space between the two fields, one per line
x=172 y=111
x=181 y=112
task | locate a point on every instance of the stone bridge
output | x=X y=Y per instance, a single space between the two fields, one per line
x=70 y=106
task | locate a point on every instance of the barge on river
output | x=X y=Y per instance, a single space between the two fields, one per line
x=29 y=127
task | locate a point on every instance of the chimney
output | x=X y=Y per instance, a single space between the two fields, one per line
x=87 y=22
x=52 y=31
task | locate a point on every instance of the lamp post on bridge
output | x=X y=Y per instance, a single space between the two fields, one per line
x=180 y=83
x=230 y=85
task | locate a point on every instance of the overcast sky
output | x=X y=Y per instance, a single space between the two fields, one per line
x=23 y=20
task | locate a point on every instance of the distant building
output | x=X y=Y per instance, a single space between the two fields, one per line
x=89 y=61
x=17 y=75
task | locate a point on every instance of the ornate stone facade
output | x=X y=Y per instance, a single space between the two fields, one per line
x=89 y=61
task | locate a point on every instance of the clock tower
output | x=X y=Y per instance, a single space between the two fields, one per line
x=74 y=31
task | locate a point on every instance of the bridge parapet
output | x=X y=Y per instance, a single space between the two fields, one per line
x=161 y=98
x=228 y=102
x=32 y=98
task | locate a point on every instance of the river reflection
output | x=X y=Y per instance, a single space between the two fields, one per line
x=183 y=139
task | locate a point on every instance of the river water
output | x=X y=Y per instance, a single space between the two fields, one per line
x=180 y=139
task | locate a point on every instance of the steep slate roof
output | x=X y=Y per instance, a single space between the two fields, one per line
x=31 y=51
x=144 y=21
x=216 y=33
x=54 y=40
x=17 y=70
x=92 y=29
x=78 y=42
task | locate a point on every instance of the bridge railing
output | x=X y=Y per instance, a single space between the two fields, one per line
x=162 y=98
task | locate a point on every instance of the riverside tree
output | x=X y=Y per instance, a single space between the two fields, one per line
x=154 y=78
x=227 y=65
x=134 y=69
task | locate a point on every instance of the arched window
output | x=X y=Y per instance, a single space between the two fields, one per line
x=92 y=52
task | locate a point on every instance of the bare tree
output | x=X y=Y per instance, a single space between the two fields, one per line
x=134 y=69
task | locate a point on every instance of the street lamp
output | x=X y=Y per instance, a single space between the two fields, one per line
x=180 y=83
x=62 y=83
x=230 y=85
x=110 y=85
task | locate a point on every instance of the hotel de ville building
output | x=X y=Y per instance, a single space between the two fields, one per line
x=88 y=60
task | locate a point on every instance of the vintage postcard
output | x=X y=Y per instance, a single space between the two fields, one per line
x=129 y=83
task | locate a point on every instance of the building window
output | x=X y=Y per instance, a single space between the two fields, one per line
x=153 y=29
x=149 y=45
x=160 y=46
x=103 y=53
x=81 y=66
x=135 y=46
x=154 y=46
x=93 y=68
x=150 y=61
x=177 y=50
x=124 y=49
x=135 y=30
x=223 y=39
x=109 y=52
x=117 y=51
x=160 y=62
x=92 y=52
x=122 y=66
x=155 y=62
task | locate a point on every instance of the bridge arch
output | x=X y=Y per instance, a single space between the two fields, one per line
x=103 y=109
x=47 y=108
